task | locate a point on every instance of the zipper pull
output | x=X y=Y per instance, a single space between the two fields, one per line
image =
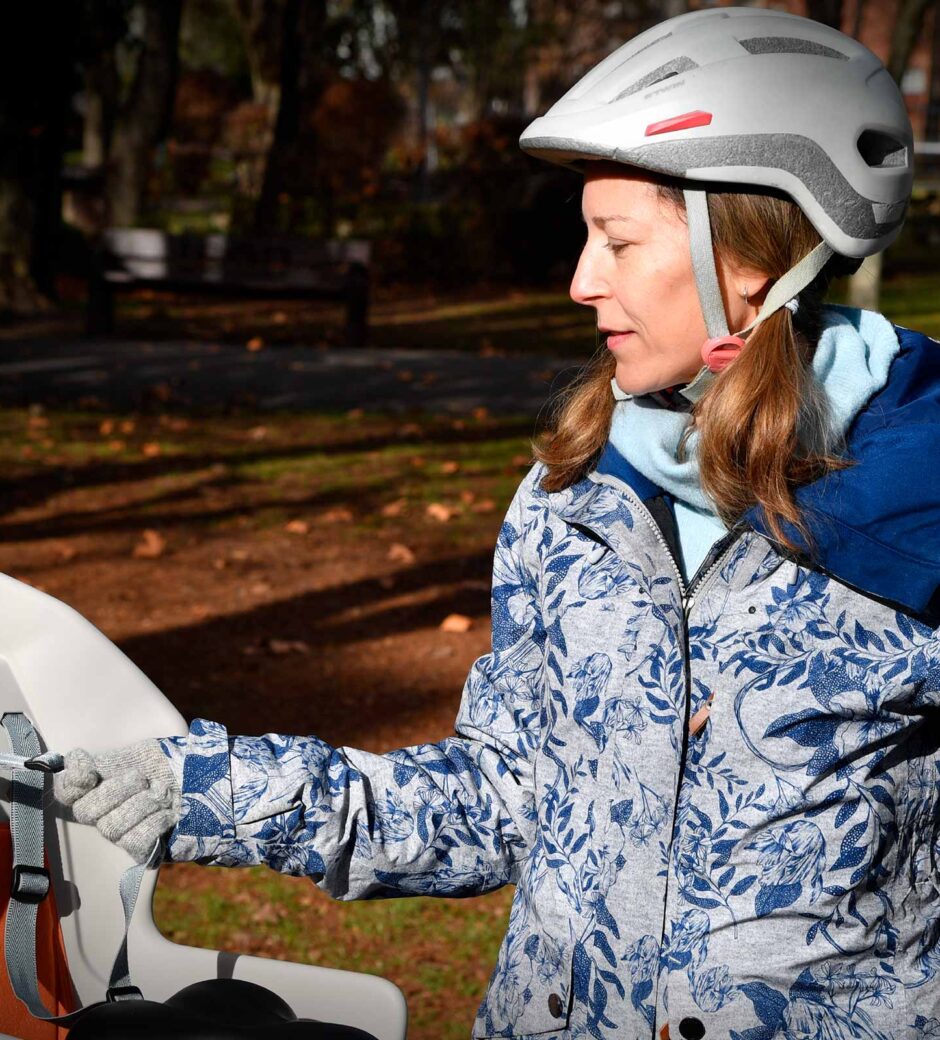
x=687 y=603
x=698 y=720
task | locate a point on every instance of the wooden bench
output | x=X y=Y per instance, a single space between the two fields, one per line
x=268 y=267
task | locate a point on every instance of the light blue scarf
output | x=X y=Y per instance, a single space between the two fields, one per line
x=851 y=363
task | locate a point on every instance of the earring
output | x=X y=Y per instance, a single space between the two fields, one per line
x=744 y=294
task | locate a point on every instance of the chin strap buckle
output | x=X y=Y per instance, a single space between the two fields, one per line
x=720 y=351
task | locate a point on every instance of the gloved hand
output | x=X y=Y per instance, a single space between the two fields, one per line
x=130 y=794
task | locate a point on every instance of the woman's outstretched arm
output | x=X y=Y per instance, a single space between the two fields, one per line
x=450 y=818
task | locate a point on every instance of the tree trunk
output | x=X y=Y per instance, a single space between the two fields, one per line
x=37 y=58
x=829 y=12
x=865 y=284
x=301 y=81
x=144 y=120
x=101 y=93
x=907 y=27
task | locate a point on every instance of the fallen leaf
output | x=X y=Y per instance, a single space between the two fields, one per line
x=279 y=318
x=66 y=552
x=399 y=553
x=174 y=424
x=297 y=526
x=288 y=646
x=394 y=508
x=450 y=466
x=337 y=515
x=259 y=588
x=409 y=430
x=219 y=564
x=151 y=545
x=116 y=445
x=438 y=511
x=417 y=460
x=199 y=611
x=239 y=555
x=485 y=505
x=255 y=344
x=480 y=412
x=467 y=496
x=257 y=433
x=106 y=427
x=456 y=623
x=127 y=426
x=151 y=449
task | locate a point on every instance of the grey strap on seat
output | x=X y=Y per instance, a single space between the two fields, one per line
x=31 y=880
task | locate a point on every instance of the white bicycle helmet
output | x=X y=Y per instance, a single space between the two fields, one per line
x=746 y=96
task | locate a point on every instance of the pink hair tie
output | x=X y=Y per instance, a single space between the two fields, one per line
x=719 y=352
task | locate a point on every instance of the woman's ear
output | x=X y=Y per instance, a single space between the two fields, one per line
x=743 y=291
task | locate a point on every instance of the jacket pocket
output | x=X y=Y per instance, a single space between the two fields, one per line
x=530 y=991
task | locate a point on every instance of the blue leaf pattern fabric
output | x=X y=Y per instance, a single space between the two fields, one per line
x=773 y=876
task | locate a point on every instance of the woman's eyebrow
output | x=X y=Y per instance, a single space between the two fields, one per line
x=601 y=221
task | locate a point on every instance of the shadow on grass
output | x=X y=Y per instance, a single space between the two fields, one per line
x=33 y=488
x=518 y=322
x=341 y=697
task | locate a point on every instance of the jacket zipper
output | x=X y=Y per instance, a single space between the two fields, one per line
x=712 y=562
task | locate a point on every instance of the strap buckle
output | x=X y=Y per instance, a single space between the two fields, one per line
x=28 y=891
x=118 y=993
x=47 y=762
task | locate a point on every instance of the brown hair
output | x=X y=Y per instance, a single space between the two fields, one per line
x=764 y=423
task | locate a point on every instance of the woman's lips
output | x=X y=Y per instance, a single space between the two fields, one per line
x=615 y=339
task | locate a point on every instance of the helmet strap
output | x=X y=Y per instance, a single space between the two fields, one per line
x=709 y=293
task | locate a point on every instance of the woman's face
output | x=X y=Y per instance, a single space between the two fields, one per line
x=635 y=270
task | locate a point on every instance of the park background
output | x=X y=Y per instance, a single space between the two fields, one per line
x=285 y=531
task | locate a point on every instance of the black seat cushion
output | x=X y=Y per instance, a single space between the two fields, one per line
x=217 y=1009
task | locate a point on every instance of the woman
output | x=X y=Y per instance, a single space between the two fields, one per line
x=703 y=747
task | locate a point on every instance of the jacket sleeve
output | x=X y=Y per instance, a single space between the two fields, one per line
x=451 y=818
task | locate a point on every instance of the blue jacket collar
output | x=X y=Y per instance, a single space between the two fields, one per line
x=876 y=525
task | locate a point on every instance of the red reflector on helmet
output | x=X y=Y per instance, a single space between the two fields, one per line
x=683 y=122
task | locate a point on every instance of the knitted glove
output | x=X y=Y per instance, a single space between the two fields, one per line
x=130 y=794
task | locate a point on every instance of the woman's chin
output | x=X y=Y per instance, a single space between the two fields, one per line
x=635 y=384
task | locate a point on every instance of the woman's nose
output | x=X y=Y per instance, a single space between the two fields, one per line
x=587 y=285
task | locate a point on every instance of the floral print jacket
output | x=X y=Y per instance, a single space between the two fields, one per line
x=717 y=799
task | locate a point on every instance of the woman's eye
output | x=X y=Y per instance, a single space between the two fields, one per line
x=616 y=247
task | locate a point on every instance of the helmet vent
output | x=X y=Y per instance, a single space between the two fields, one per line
x=667 y=71
x=880 y=150
x=789 y=45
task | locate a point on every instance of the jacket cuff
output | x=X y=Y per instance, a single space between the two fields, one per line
x=201 y=764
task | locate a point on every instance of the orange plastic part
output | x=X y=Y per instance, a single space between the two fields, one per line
x=55 y=985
